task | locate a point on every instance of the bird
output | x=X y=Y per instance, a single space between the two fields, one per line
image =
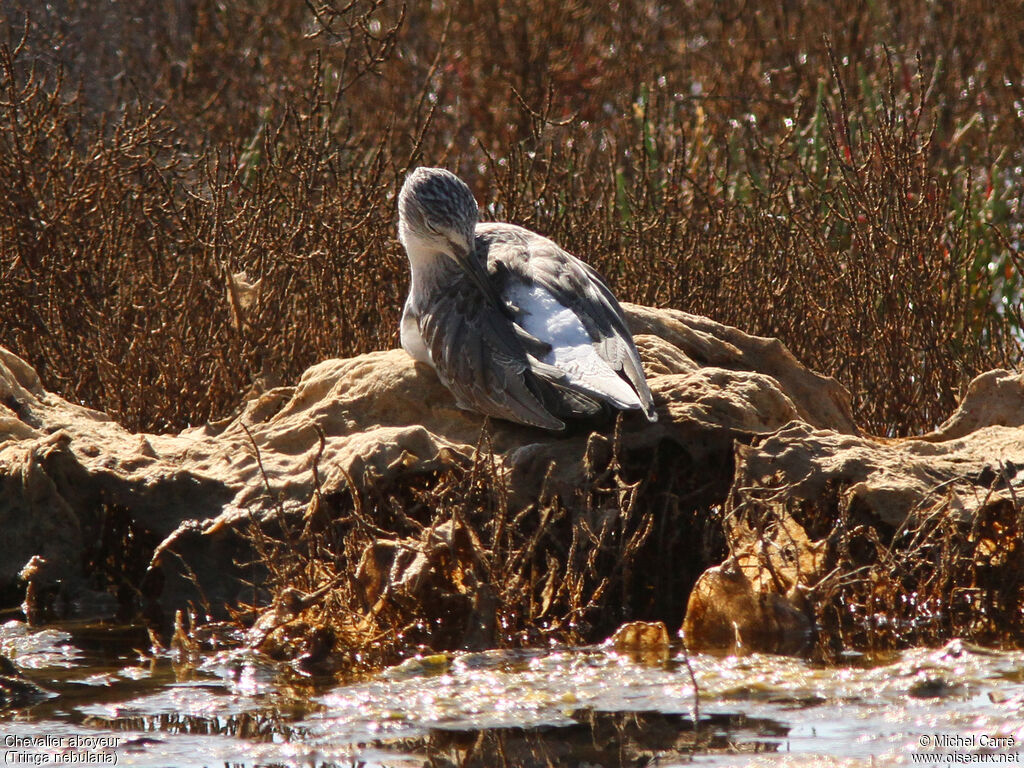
x=514 y=326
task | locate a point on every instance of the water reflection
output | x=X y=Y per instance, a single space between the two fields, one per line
x=580 y=706
x=598 y=739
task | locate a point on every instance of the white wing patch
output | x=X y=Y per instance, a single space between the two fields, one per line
x=572 y=349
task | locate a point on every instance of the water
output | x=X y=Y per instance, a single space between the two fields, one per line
x=109 y=704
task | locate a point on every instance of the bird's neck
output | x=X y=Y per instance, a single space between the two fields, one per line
x=431 y=269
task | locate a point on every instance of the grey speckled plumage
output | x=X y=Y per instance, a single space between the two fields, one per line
x=515 y=327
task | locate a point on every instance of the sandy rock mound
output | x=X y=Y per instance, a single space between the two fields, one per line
x=84 y=502
x=64 y=469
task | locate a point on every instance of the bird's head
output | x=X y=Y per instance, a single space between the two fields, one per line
x=436 y=211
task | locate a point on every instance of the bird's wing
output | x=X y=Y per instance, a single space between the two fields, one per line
x=479 y=357
x=534 y=259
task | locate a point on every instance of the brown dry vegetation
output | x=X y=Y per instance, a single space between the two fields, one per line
x=843 y=176
x=937 y=577
x=860 y=202
x=442 y=560
x=941 y=573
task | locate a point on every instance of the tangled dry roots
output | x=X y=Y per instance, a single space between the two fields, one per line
x=441 y=561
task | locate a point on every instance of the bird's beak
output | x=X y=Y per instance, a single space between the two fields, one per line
x=472 y=266
x=462 y=256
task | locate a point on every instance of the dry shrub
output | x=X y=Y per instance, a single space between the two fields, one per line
x=442 y=561
x=859 y=201
x=940 y=575
x=120 y=242
x=874 y=587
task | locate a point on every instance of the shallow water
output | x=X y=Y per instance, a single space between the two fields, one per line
x=108 y=704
